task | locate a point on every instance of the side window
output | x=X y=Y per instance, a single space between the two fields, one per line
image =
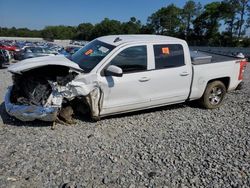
x=37 y=50
x=132 y=59
x=28 y=50
x=168 y=56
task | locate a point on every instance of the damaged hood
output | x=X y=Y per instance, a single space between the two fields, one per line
x=34 y=63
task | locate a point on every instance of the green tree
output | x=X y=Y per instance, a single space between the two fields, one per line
x=243 y=7
x=47 y=33
x=166 y=21
x=20 y=32
x=147 y=29
x=84 y=31
x=229 y=9
x=107 y=27
x=58 y=32
x=189 y=12
x=206 y=26
x=131 y=27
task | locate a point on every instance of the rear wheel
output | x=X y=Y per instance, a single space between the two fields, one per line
x=213 y=95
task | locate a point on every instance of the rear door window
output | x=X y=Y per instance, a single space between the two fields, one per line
x=168 y=56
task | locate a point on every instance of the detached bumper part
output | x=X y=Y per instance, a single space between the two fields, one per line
x=29 y=113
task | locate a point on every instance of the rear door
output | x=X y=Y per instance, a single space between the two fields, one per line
x=172 y=74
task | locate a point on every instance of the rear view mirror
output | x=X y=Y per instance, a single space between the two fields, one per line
x=113 y=70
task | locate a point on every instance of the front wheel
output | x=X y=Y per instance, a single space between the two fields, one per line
x=213 y=95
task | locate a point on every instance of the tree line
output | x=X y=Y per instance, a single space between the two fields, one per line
x=221 y=23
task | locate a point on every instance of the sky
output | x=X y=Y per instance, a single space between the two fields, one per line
x=36 y=14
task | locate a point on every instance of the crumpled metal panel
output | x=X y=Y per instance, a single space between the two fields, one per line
x=94 y=100
x=34 y=63
x=29 y=113
x=72 y=89
x=49 y=111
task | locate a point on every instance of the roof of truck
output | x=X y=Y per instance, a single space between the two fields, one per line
x=116 y=40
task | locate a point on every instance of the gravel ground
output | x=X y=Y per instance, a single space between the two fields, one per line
x=175 y=146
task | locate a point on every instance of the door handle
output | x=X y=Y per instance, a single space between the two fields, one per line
x=184 y=74
x=144 y=79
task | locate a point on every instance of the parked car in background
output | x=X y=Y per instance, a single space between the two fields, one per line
x=62 y=51
x=69 y=48
x=50 y=51
x=4 y=58
x=7 y=47
x=31 y=52
x=8 y=54
x=74 y=50
x=78 y=42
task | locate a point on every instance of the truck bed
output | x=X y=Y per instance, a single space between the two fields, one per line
x=201 y=57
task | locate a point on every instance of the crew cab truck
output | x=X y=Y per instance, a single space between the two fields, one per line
x=124 y=73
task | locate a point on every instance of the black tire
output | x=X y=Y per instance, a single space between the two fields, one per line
x=214 y=94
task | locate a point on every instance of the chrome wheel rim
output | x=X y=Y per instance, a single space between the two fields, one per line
x=215 y=96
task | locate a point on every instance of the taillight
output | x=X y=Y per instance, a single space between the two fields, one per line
x=242 y=69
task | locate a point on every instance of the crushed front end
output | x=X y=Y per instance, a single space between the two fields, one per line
x=42 y=92
x=29 y=112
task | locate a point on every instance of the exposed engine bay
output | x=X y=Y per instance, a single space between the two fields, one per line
x=48 y=92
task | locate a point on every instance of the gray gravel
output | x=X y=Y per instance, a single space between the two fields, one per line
x=175 y=146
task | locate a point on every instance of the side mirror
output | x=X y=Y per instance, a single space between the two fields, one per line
x=113 y=70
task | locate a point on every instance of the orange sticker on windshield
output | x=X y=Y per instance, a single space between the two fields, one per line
x=165 y=50
x=90 y=51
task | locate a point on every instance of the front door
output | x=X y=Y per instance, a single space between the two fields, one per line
x=131 y=90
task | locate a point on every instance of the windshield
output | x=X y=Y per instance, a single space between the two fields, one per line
x=91 y=54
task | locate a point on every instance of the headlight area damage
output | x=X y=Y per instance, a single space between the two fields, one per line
x=42 y=93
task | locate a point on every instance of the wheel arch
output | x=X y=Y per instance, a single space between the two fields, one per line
x=224 y=80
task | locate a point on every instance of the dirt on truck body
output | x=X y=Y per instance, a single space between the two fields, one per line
x=41 y=93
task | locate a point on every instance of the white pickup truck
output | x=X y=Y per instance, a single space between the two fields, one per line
x=120 y=73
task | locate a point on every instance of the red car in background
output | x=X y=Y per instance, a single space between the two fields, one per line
x=8 y=47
